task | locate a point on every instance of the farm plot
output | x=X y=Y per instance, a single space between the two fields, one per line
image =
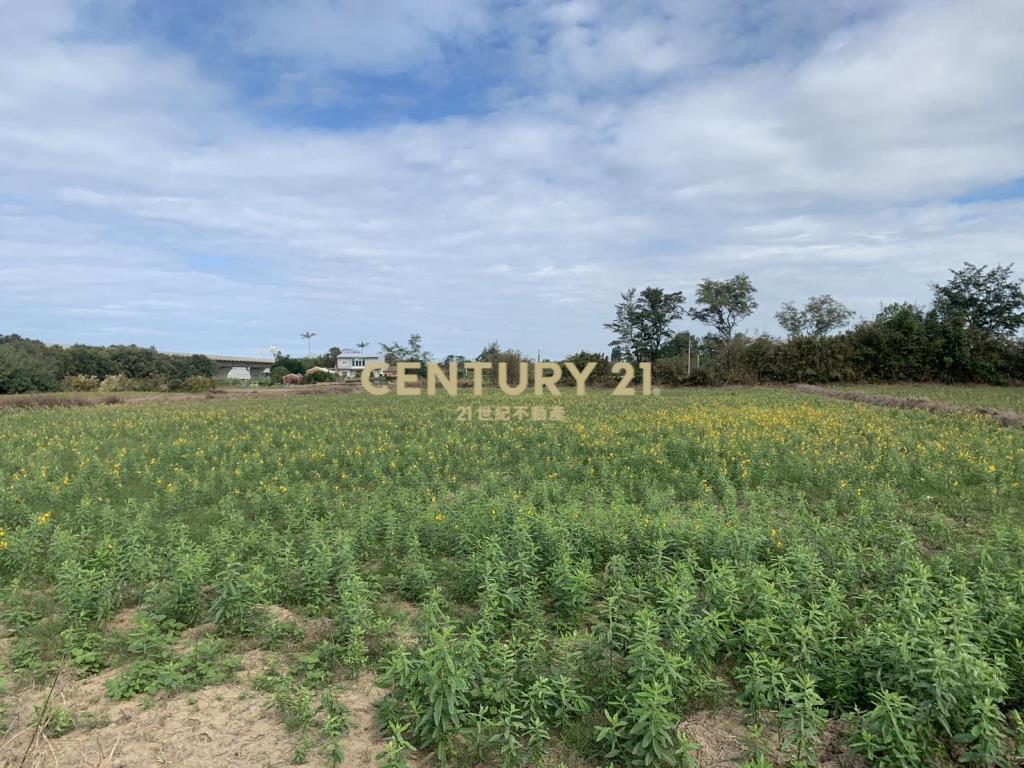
x=748 y=577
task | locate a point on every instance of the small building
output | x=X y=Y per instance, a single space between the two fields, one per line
x=351 y=362
x=239 y=373
x=235 y=368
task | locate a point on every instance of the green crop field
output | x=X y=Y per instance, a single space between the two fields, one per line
x=845 y=583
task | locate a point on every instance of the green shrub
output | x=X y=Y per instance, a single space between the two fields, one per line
x=194 y=384
x=81 y=383
x=318 y=377
x=207 y=664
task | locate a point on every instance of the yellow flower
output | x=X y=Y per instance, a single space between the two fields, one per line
x=43 y=519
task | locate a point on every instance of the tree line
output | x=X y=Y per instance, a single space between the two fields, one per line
x=968 y=333
x=27 y=365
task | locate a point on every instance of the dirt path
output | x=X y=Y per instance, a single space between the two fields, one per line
x=86 y=400
x=1006 y=418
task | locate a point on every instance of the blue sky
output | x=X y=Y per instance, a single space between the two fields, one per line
x=219 y=177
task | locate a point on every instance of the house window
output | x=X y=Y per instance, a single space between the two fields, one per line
x=358 y=362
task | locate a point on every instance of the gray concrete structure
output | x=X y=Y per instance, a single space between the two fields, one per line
x=241 y=368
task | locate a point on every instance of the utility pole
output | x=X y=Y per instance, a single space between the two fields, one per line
x=689 y=347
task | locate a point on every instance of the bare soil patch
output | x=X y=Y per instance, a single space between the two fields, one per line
x=721 y=734
x=1006 y=418
x=363 y=741
x=723 y=738
x=73 y=399
x=222 y=726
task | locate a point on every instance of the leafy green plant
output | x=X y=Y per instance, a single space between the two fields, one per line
x=644 y=732
x=396 y=748
x=310 y=715
x=802 y=719
x=84 y=592
x=207 y=664
x=54 y=721
x=572 y=586
x=986 y=737
x=889 y=735
x=1017 y=728
x=236 y=594
x=83 y=650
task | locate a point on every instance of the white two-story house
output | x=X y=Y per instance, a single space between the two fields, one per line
x=351 y=362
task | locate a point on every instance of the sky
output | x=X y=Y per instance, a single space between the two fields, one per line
x=219 y=177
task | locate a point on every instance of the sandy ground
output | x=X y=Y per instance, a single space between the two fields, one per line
x=217 y=727
x=222 y=726
x=724 y=740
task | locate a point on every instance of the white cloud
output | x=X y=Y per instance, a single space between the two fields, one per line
x=637 y=144
x=378 y=36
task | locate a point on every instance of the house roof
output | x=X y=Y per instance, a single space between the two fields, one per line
x=357 y=353
x=226 y=358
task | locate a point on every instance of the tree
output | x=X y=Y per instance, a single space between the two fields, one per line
x=684 y=343
x=643 y=323
x=982 y=299
x=626 y=327
x=723 y=303
x=412 y=353
x=658 y=310
x=89 y=361
x=602 y=364
x=974 y=318
x=894 y=346
x=791 y=319
x=291 y=364
x=308 y=336
x=820 y=316
x=494 y=354
x=28 y=366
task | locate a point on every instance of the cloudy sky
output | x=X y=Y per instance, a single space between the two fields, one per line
x=220 y=176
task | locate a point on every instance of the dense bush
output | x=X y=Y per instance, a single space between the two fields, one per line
x=32 y=366
x=195 y=384
x=890 y=350
x=319 y=377
x=118 y=383
x=25 y=366
x=81 y=382
x=969 y=334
